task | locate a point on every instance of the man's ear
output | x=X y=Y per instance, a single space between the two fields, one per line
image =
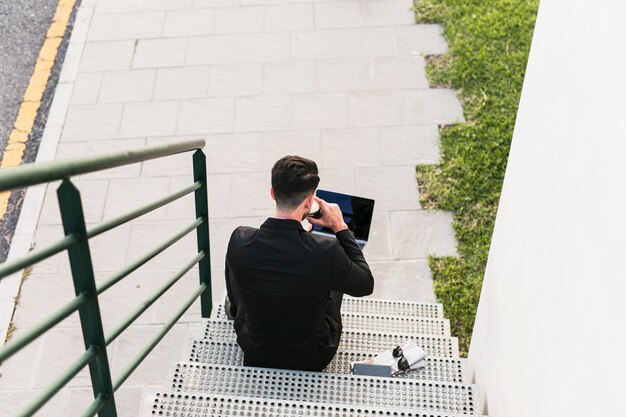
x=272 y=193
x=308 y=203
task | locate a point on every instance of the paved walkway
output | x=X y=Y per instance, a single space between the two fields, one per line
x=342 y=82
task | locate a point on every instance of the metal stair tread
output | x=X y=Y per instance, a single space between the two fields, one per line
x=383 y=323
x=354 y=340
x=368 y=305
x=229 y=353
x=345 y=389
x=184 y=404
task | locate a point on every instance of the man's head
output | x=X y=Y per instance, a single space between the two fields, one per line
x=294 y=179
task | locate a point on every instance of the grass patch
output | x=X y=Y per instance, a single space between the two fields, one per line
x=489 y=41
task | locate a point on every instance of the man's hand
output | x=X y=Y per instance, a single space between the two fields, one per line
x=331 y=216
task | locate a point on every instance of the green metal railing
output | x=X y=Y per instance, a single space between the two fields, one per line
x=76 y=243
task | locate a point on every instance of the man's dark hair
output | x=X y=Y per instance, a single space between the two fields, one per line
x=293 y=179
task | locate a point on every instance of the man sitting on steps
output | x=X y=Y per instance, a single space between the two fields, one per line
x=285 y=285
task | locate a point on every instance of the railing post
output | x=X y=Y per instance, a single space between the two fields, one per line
x=202 y=210
x=84 y=282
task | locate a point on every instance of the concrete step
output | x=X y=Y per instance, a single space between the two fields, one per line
x=324 y=388
x=229 y=353
x=369 y=305
x=355 y=340
x=383 y=323
x=186 y=404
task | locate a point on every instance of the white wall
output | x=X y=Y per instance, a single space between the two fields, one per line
x=550 y=336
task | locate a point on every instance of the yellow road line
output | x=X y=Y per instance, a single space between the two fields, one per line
x=16 y=144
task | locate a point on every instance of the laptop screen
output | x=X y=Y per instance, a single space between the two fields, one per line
x=357 y=213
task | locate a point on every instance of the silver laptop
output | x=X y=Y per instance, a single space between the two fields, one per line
x=357 y=213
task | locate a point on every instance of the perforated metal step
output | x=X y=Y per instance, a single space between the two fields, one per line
x=229 y=353
x=384 y=323
x=369 y=305
x=355 y=341
x=180 y=404
x=325 y=388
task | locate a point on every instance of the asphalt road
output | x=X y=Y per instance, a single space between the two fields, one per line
x=23 y=27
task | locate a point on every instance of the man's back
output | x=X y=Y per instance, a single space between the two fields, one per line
x=284 y=276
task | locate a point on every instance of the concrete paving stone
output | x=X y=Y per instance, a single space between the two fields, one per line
x=61 y=347
x=215 y=115
x=117 y=303
x=389 y=12
x=155 y=53
x=305 y=143
x=410 y=145
x=239 y=20
x=218 y=194
x=339 y=180
x=19 y=370
x=165 y=4
x=127 y=86
x=86 y=88
x=183 y=82
x=420 y=40
x=229 y=80
x=106 y=56
x=327 y=110
x=134 y=25
x=127 y=400
x=67 y=150
x=118 y=5
x=146 y=235
x=14 y=401
x=289 y=77
x=433 y=106
x=308 y=1
x=108 y=250
x=92 y=193
x=343 y=74
x=152 y=369
x=46 y=235
x=250 y=195
x=169 y=166
x=403 y=281
x=263 y=113
x=148 y=119
x=257 y=2
x=379 y=243
x=264 y=47
x=191 y=22
x=316 y=44
x=340 y=14
x=418 y=234
x=349 y=148
x=288 y=17
x=377 y=108
x=364 y=42
x=218 y=289
x=143 y=191
x=170 y=302
x=395 y=73
x=206 y=50
x=138 y=5
x=92 y=121
x=393 y=188
x=215 y=3
x=234 y=153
